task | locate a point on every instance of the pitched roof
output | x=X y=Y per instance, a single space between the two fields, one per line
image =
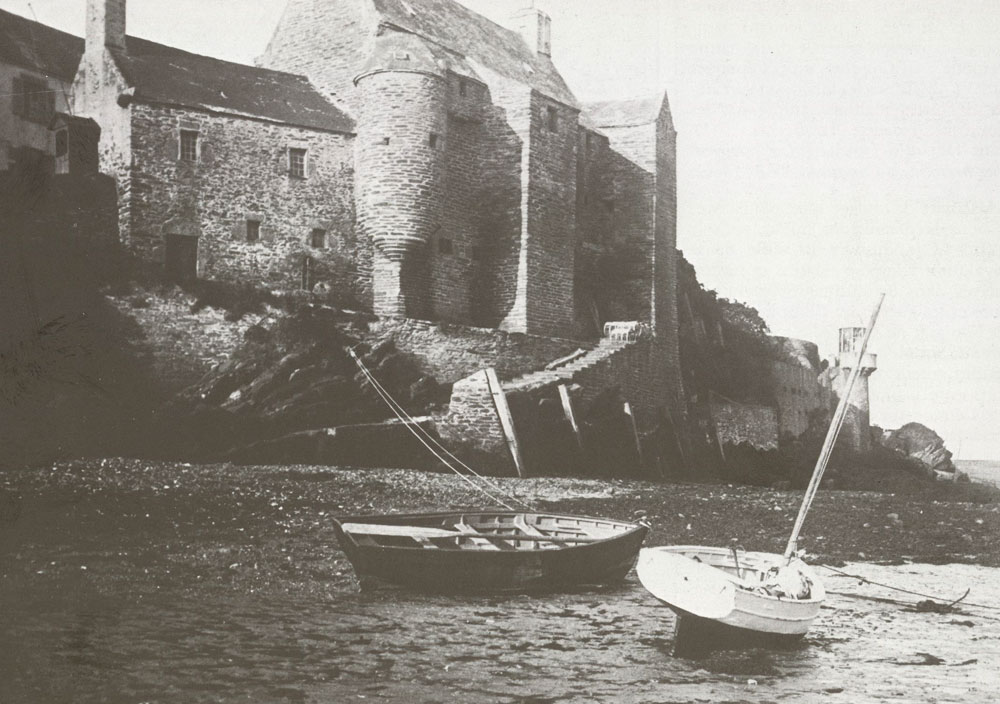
x=164 y=74
x=459 y=29
x=627 y=113
x=32 y=45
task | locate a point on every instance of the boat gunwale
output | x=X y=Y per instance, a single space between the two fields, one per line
x=631 y=529
x=741 y=591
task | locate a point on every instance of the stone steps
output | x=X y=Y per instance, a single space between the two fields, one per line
x=604 y=350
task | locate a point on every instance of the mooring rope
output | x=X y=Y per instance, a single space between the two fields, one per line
x=946 y=602
x=417 y=430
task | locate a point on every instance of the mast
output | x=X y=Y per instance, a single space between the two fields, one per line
x=831 y=438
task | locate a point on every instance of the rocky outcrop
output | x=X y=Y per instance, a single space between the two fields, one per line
x=919 y=443
x=298 y=377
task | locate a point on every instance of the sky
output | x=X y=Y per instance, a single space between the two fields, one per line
x=827 y=152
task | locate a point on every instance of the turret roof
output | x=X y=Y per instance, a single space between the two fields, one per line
x=477 y=39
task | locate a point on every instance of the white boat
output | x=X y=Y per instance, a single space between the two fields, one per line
x=725 y=598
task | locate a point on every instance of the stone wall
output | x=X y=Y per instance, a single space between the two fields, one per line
x=402 y=138
x=450 y=352
x=738 y=423
x=326 y=41
x=550 y=239
x=503 y=151
x=180 y=346
x=242 y=174
x=637 y=373
x=471 y=427
x=798 y=393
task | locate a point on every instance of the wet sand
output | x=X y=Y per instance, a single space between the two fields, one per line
x=134 y=582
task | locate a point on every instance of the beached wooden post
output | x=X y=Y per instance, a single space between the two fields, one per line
x=567 y=405
x=635 y=431
x=506 y=419
x=677 y=438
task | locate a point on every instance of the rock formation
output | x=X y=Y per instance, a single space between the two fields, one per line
x=920 y=443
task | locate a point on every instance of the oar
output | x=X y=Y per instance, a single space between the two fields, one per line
x=831 y=437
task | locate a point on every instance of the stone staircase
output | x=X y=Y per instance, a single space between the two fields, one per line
x=564 y=373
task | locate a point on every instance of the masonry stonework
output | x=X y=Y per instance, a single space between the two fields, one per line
x=421 y=162
x=738 y=423
x=215 y=196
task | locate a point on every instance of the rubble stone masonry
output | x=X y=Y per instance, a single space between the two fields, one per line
x=242 y=173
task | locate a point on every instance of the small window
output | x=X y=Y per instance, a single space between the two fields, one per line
x=385 y=141
x=297 y=163
x=553 y=120
x=62 y=142
x=445 y=246
x=253 y=230
x=463 y=88
x=189 y=145
x=587 y=140
x=433 y=141
x=317 y=238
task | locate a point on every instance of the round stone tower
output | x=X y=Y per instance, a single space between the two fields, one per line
x=402 y=129
x=857 y=429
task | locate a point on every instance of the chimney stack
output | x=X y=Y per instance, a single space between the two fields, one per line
x=105 y=25
x=536 y=28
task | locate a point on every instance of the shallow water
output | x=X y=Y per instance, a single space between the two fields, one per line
x=124 y=582
x=70 y=636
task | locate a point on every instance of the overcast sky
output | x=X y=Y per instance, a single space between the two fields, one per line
x=828 y=151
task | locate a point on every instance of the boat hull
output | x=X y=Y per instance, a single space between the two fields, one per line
x=554 y=567
x=695 y=636
x=715 y=613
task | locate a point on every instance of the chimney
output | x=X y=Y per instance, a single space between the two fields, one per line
x=536 y=28
x=105 y=25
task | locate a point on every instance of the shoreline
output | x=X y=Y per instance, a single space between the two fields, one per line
x=843 y=526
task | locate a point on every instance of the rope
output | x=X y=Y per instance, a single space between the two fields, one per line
x=410 y=424
x=909 y=591
x=417 y=430
x=400 y=412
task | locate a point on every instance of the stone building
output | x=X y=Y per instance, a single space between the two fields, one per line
x=418 y=159
x=490 y=195
x=411 y=158
x=37 y=64
x=224 y=170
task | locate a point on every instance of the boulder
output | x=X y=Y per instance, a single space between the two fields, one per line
x=919 y=443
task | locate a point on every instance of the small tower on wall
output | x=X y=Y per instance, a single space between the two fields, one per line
x=857 y=424
x=402 y=128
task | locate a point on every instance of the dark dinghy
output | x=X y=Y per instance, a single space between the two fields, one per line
x=489 y=551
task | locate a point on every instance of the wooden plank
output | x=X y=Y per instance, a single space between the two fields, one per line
x=405 y=531
x=677 y=438
x=635 y=431
x=506 y=420
x=567 y=405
